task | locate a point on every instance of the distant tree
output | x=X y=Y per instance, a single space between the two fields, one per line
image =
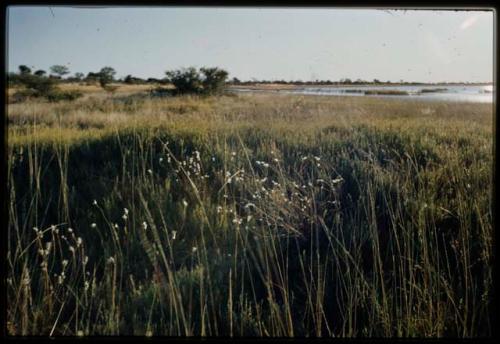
x=106 y=76
x=92 y=77
x=206 y=81
x=38 y=86
x=236 y=81
x=377 y=81
x=214 y=80
x=186 y=80
x=129 y=79
x=40 y=72
x=59 y=70
x=79 y=76
x=23 y=69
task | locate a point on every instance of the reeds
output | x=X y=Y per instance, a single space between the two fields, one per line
x=250 y=216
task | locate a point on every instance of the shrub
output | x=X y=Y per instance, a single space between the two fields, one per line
x=106 y=76
x=186 y=80
x=206 y=81
x=57 y=96
x=214 y=80
x=39 y=84
x=23 y=95
x=160 y=92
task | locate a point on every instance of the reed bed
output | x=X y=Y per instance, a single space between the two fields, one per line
x=252 y=215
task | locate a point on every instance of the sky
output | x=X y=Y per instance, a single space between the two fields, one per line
x=257 y=43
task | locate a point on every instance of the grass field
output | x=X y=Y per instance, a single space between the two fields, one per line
x=249 y=215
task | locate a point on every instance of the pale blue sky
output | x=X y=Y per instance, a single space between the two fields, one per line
x=262 y=43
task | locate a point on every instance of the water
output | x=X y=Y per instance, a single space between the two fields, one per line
x=459 y=93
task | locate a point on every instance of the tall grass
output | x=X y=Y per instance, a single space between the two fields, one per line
x=250 y=216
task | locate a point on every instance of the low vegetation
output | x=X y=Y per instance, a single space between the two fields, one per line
x=433 y=90
x=250 y=215
x=386 y=92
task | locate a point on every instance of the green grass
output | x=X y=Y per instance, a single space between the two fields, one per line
x=252 y=215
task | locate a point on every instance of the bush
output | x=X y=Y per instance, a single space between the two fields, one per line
x=206 y=81
x=23 y=95
x=186 y=80
x=57 y=96
x=40 y=85
x=214 y=80
x=160 y=92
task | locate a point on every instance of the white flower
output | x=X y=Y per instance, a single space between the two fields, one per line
x=150 y=171
x=185 y=202
x=64 y=262
x=124 y=217
x=337 y=180
x=144 y=225
x=160 y=160
x=194 y=249
x=70 y=230
x=317 y=158
x=93 y=225
x=304 y=158
x=174 y=234
x=248 y=205
x=72 y=249
x=111 y=260
x=94 y=203
x=219 y=209
x=125 y=211
x=116 y=225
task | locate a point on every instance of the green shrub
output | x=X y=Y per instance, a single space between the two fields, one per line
x=57 y=96
x=206 y=81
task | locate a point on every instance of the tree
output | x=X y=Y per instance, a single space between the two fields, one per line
x=79 y=76
x=23 y=69
x=40 y=72
x=106 y=76
x=38 y=86
x=205 y=81
x=214 y=80
x=59 y=70
x=186 y=80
